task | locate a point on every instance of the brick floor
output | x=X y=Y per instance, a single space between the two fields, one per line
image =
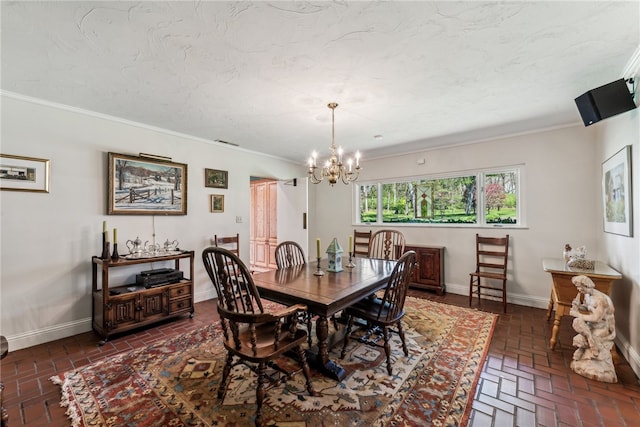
x=523 y=383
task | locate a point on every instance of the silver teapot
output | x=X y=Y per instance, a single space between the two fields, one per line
x=135 y=246
x=170 y=246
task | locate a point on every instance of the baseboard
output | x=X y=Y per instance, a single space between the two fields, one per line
x=519 y=299
x=65 y=330
x=629 y=353
x=51 y=333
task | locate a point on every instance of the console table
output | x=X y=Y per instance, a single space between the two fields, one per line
x=127 y=306
x=563 y=291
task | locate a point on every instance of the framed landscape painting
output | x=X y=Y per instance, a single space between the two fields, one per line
x=146 y=186
x=616 y=193
x=217 y=203
x=19 y=173
x=216 y=178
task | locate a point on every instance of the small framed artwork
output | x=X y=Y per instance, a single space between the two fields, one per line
x=216 y=178
x=217 y=203
x=146 y=186
x=19 y=173
x=616 y=193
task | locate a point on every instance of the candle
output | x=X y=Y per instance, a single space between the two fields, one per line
x=318 y=247
x=104 y=226
x=106 y=236
x=350 y=244
x=115 y=235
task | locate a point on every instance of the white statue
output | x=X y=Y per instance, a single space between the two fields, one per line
x=596 y=327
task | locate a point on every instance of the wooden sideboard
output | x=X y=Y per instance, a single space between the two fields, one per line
x=127 y=306
x=429 y=273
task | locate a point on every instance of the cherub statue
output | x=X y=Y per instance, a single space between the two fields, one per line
x=595 y=323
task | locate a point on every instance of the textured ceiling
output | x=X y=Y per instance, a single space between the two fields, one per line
x=260 y=74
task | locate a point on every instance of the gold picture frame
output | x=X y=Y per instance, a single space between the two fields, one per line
x=21 y=173
x=140 y=185
x=215 y=178
x=217 y=203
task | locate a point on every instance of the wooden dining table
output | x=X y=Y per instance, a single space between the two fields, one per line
x=324 y=295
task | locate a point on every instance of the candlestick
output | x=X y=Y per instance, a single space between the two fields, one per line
x=319 y=271
x=318 y=248
x=115 y=236
x=106 y=254
x=350 y=264
x=115 y=256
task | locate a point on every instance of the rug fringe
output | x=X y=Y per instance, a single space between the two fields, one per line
x=65 y=401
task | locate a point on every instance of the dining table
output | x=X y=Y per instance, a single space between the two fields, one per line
x=324 y=295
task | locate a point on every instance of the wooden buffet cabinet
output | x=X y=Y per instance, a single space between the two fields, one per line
x=123 y=307
x=429 y=273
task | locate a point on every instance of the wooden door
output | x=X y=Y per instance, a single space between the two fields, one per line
x=264 y=223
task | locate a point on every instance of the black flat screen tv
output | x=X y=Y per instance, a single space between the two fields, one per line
x=605 y=101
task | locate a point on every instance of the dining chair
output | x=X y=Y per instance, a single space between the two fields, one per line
x=386 y=244
x=381 y=313
x=289 y=253
x=361 y=241
x=490 y=277
x=231 y=243
x=252 y=336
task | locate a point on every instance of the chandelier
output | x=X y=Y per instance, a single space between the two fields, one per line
x=333 y=169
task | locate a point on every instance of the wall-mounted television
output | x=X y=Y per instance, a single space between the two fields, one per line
x=605 y=101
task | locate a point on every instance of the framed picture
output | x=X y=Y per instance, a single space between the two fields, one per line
x=146 y=186
x=216 y=178
x=19 y=173
x=217 y=203
x=616 y=193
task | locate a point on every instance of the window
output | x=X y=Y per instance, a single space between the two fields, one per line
x=488 y=197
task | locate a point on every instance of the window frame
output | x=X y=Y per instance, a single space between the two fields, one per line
x=480 y=174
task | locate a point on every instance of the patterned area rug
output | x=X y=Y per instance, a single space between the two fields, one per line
x=175 y=383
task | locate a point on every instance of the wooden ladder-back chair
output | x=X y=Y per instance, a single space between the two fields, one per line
x=231 y=243
x=386 y=244
x=382 y=313
x=361 y=241
x=251 y=335
x=288 y=254
x=490 y=277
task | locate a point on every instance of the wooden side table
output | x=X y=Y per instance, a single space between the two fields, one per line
x=4 y=350
x=563 y=291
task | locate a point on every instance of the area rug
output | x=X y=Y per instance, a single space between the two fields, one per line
x=175 y=383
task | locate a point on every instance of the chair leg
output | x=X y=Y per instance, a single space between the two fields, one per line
x=222 y=389
x=504 y=295
x=401 y=333
x=305 y=370
x=470 y=289
x=346 y=337
x=260 y=390
x=387 y=349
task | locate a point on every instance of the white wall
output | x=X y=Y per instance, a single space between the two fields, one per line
x=47 y=240
x=563 y=197
x=621 y=252
x=557 y=193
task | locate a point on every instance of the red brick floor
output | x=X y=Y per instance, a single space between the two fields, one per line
x=523 y=383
